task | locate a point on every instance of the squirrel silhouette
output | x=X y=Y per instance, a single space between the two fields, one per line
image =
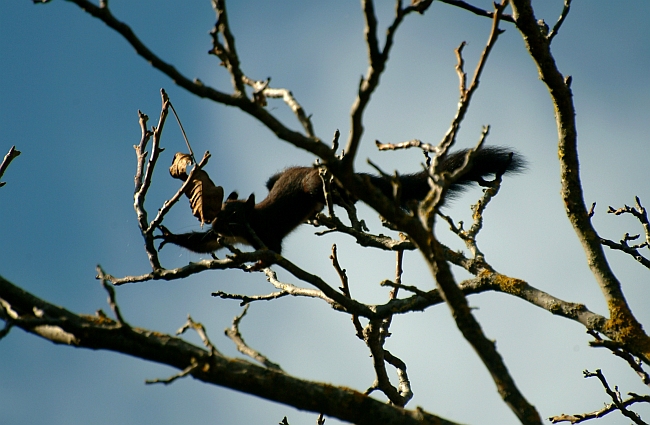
x=296 y=194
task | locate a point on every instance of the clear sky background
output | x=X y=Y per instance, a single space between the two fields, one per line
x=70 y=89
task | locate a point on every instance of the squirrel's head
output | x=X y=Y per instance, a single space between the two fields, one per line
x=234 y=215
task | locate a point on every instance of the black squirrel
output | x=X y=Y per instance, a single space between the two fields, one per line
x=296 y=194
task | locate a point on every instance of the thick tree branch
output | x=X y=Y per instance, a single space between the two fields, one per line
x=471 y=330
x=100 y=333
x=311 y=144
x=622 y=320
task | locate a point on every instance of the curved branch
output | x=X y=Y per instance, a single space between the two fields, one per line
x=628 y=330
x=195 y=87
x=310 y=144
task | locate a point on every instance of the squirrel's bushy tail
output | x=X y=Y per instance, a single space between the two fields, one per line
x=487 y=161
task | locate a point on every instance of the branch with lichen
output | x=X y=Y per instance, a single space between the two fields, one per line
x=619 y=350
x=451 y=293
x=622 y=321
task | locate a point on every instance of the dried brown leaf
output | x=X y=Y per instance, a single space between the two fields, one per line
x=178 y=169
x=205 y=197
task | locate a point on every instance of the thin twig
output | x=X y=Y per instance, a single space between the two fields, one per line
x=477 y=10
x=246 y=299
x=609 y=408
x=345 y=288
x=558 y=24
x=200 y=330
x=10 y=156
x=377 y=59
x=615 y=396
x=226 y=51
x=188 y=370
x=112 y=301
x=261 y=91
x=296 y=291
x=429 y=205
x=619 y=350
x=187 y=142
x=234 y=334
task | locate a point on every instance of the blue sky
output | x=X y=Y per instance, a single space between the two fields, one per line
x=71 y=88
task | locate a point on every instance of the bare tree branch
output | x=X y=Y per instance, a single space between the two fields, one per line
x=183 y=373
x=196 y=87
x=234 y=334
x=345 y=288
x=263 y=91
x=558 y=24
x=618 y=350
x=476 y=10
x=609 y=408
x=226 y=51
x=622 y=319
x=144 y=173
x=63 y=327
x=10 y=156
x=616 y=397
x=246 y=299
x=640 y=213
x=112 y=302
x=377 y=59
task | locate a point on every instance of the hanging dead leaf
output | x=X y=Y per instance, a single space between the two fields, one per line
x=205 y=197
x=178 y=169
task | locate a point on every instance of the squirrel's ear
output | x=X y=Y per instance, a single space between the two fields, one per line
x=251 y=200
x=233 y=196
